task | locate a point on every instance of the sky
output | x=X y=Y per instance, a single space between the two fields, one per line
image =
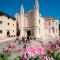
x=46 y=7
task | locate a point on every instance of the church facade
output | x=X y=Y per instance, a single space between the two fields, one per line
x=33 y=24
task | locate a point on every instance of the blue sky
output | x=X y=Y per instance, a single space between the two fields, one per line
x=47 y=7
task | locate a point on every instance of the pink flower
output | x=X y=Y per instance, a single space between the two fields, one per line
x=49 y=47
x=12 y=46
x=17 y=49
x=23 y=57
x=5 y=50
x=41 y=50
x=45 y=58
x=31 y=51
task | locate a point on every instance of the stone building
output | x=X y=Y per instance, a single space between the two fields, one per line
x=51 y=27
x=7 y=25
x=33 y=24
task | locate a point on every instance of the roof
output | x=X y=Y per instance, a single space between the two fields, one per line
x=4 y=14
x=48 y=18
x=31 y=12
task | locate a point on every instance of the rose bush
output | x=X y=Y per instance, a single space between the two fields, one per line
x=49 y=52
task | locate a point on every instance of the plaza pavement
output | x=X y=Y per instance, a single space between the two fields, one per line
x=7 y=39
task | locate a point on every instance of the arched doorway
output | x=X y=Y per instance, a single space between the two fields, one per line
x=28 y=33
x=18 y=32
x=8 y=33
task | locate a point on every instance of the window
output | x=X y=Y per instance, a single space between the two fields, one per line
x=39 y=30
x=56 y=23
x=39 y=21
x=53 y=29
x=8 y=23
x=0 y=31
x=22 y=12
x=13 y=24
x=0 y=22
x=37 y=7
x=49 y=30
x=56 y=29
x=49 y=23
x=13 y=30
x=29 y=18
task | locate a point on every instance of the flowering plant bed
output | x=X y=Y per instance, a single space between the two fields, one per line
x=49 y=52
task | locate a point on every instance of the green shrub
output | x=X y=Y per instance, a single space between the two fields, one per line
x=54 y=54
x=37 y=58
x=31 y=58
x=17 y=58
x=3 y=57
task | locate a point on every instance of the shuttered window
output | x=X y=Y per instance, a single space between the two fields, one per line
x=0 y=31
x=0 y=22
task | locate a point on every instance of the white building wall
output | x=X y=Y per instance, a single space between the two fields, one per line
x=5 y=27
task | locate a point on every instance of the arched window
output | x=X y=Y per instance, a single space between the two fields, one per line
x=22 y=12
x=0 y=31
x=39 y=30
x=53 y=29
x=49 y=23
x=39 y=21
x=0 y=22
x=56 y=29
x=37 y=7
x=56 y=23
x=49 y=30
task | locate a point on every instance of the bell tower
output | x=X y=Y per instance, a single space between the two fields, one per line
x=21 y=10
x=36 y=20
x=22 y=21
x=36 y=6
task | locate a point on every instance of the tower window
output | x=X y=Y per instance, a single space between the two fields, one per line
x=37 y=7
x=0 y=22
x=0 y=31
x=22 y=12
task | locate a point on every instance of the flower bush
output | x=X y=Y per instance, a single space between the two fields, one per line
x=49 y=52
x=53 y=50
